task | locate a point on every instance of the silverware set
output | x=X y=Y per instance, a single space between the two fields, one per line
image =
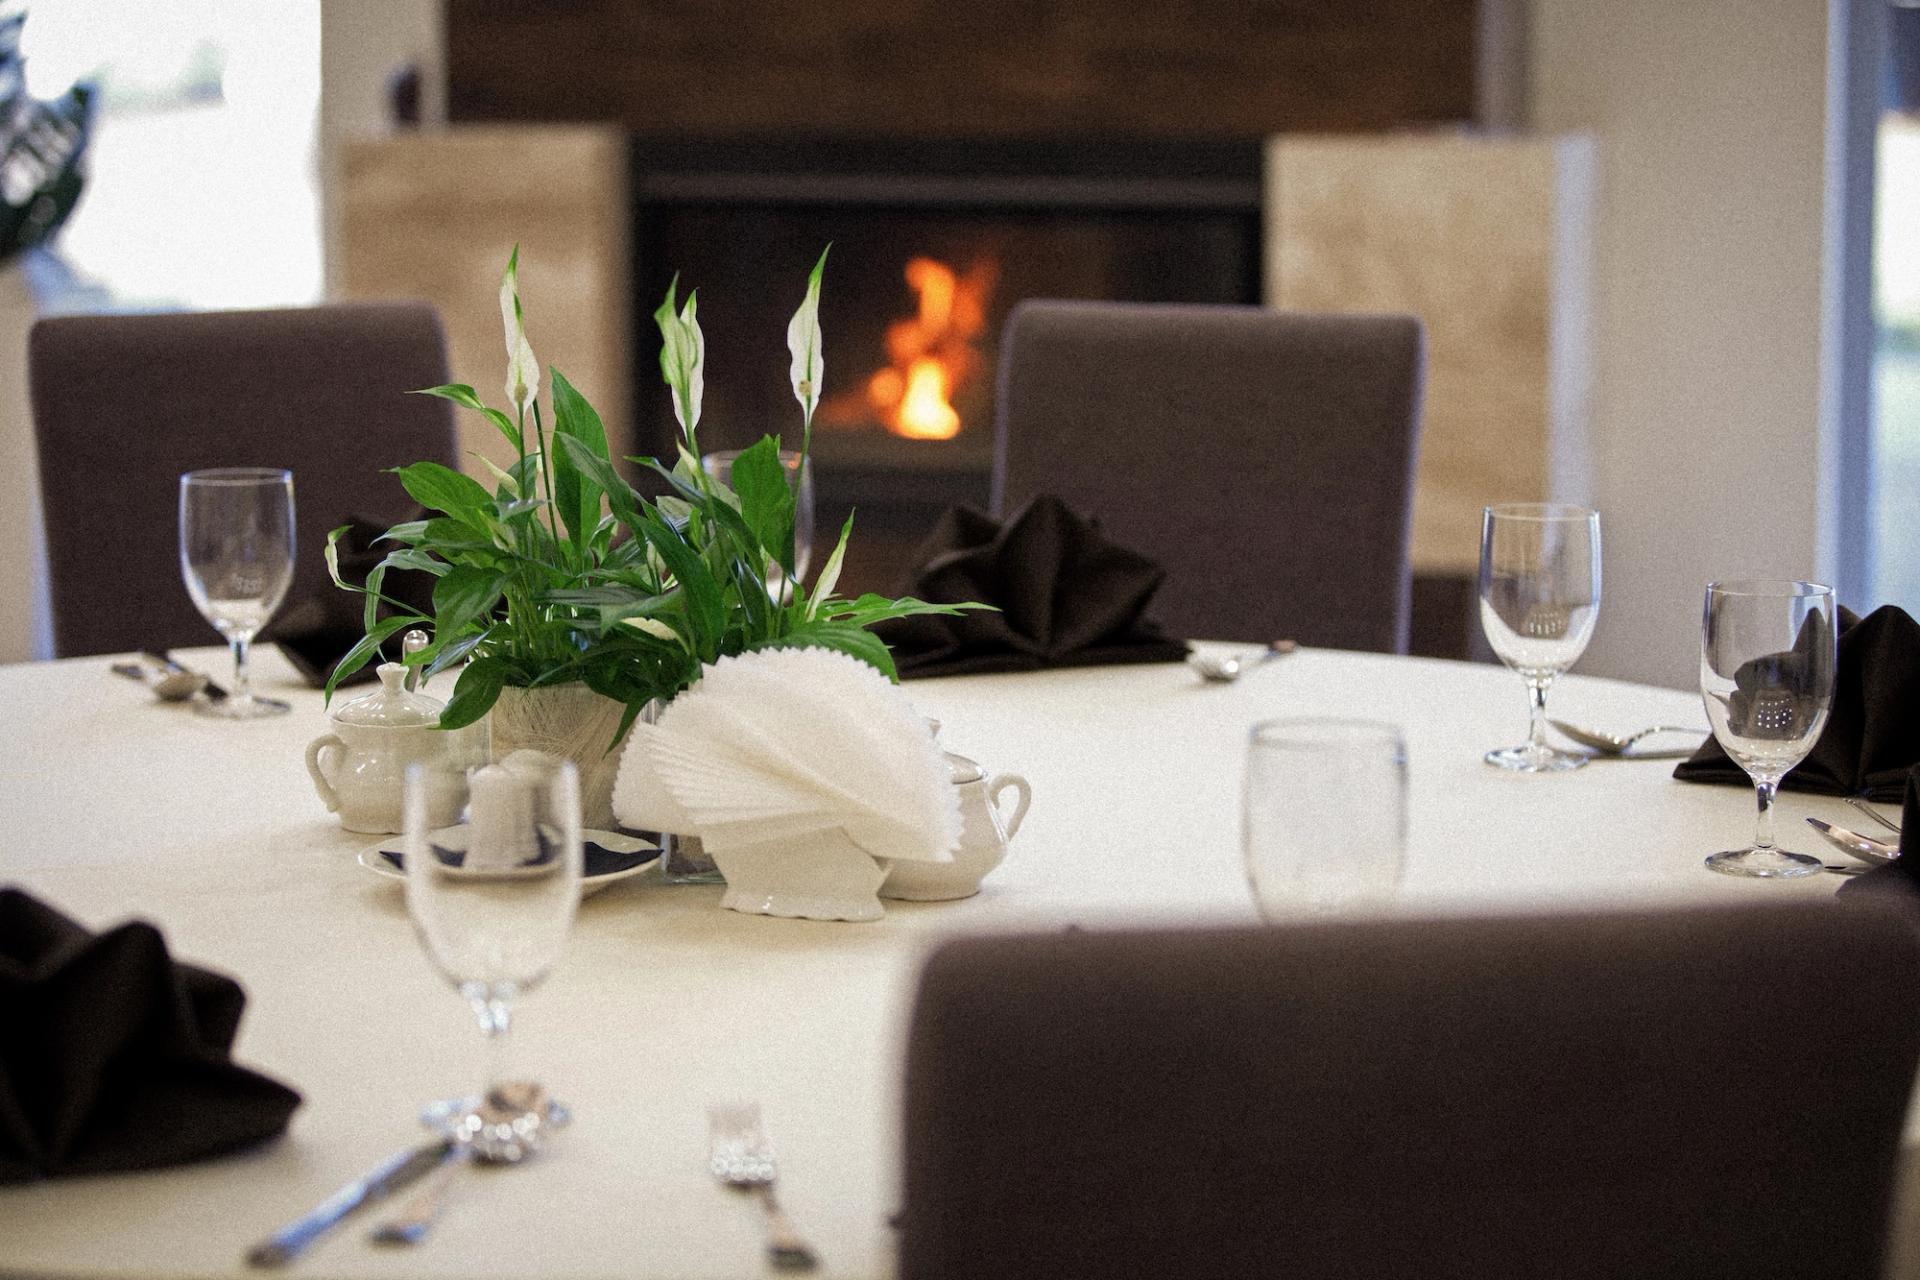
x=1621 y=746
x=740 y=1156
x=171 y=682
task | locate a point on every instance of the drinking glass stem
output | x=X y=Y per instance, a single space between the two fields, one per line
x=240 y=642
x=1537 y=713
x=1764 y=790
x=492 y=1006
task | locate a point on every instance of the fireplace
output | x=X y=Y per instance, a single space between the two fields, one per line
x=933 y=245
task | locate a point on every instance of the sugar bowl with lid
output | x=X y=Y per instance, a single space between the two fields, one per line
x=359 y=768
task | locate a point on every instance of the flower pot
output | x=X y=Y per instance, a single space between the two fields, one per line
x=570 y=721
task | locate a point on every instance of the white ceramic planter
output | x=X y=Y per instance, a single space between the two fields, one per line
x=566 y=720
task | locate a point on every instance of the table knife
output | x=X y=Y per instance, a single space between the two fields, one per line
x=376 y=1184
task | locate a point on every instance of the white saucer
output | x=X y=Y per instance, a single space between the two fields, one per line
x=374 y=859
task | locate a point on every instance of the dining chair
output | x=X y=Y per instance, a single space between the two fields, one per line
x=1680 y=1094
x=122 y=404
x=1264 y=458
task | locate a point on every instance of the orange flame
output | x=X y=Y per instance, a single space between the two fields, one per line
x=932 y=352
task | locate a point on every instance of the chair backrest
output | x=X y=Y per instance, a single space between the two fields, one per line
x=122 y=404
x=1680 y=1094
x=1264 y=458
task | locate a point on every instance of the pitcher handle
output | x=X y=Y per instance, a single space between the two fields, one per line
x=320 y=782
x=1000 y=783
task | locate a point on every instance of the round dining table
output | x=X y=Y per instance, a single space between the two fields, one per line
x=115 y=805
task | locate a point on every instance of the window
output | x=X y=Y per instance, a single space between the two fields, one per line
x=202 y=183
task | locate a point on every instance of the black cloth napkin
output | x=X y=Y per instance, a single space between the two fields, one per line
x=1872 y=738
x=114 y=1056
x=1066 y=596
x=315 y=632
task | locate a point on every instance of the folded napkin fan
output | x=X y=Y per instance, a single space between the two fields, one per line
x=315 y=632
x=1872 y=736
x=786 y=745
x=1066 y=596
x=114 y=1056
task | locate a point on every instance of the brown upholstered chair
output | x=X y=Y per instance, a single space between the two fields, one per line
x=122 y=404
x=1264 y=458
x=1684 y=1094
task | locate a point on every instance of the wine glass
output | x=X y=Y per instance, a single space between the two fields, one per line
x=236 y=555
x=720 y=467
x=1539 y=598
x=1324 y=815
x=1766 y=674
x=492 y=902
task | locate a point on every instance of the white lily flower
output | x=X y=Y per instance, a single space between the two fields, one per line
x=803 y=340
x=523 y=371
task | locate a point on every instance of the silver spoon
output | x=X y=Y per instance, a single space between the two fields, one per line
x=1226 y=668
x=504 y=1127
x=1608 y=744
x=168 y=686
x=1865 y=848
x=1873 y=813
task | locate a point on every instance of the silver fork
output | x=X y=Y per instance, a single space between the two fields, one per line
x=742 y=1158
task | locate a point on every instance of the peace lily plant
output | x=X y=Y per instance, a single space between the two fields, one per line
x=565 y=573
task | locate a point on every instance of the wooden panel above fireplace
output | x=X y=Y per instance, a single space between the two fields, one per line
x=987 y=68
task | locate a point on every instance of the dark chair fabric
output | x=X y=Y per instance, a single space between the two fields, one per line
x=1681 y=1094
x=1264 y=458
x=122 y=404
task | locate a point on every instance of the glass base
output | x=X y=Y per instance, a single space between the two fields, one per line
x=1530 y=757
x=238 y=708
x=505 y=1126
x=684 y=860
x=1769 y=864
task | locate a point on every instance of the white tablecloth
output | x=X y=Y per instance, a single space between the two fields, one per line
x=114 y=805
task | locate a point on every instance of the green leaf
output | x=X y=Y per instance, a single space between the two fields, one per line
x=450 y=535
x=416 y=559
x=464 y=595
x=464 y=396
x=407 y=531
x=453 y=654
x=839 y=636
x=596 y=466
x=706 y=615
x=869 y=609
x=368 y=645
x=441 y=488
x=766 y=503
x=830 y=576
x=475 y=693
x=804 y=343
x=576 y=492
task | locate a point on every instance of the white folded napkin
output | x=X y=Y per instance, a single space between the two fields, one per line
x=782 y=744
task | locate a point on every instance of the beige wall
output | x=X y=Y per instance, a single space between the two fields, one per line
x=362 y=43
x=1710 y=118
x=24 y=626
